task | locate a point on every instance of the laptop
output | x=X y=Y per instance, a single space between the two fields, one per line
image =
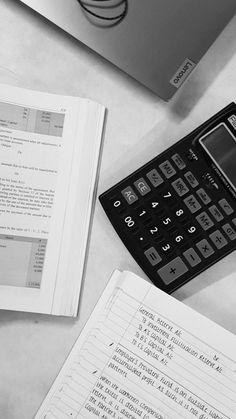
x=157 y=42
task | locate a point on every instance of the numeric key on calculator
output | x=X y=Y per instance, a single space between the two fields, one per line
x=143 y=214
x=180 y=214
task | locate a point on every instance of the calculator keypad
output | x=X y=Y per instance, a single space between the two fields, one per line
x=171 y=219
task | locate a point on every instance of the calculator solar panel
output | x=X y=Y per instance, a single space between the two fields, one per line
x=177 y=214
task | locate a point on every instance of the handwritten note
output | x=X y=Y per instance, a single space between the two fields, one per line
x=145 y=355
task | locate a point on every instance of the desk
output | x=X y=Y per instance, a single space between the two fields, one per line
x=34 y=54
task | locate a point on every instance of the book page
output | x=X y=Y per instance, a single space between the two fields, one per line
x=145 y=355
x=30 y=140
x=42 y=143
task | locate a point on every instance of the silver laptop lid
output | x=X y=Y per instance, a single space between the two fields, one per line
x=159 y=42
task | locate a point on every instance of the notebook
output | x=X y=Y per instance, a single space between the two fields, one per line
x=143 y=354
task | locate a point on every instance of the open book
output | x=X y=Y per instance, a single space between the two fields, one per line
x=143 y=354
x=49 y=154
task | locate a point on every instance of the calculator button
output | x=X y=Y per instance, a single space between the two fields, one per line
x=226 y=206
x=153 y=257
x=204 y=221
x=178 y=161
x=191 y=179
x=216 y=213
x=118 y=204
x=172 y=270
x=165 y=247
x=180 y=187
x=167 y=169
x=154 y=178
x=167 y=222
x=229 y=231
x=178 y=238
x=129 y=222
x=154 y=231
x=192 y=203
x=154 y=204
x=192 y=257
x=218 y=239
x=205 y=248
x=141 y=212
x=234 y=221
x=129 y=195
x=180 y=214
x=203 y=196
x=192 y=230
x=142 y=186
x=141 y=239
x=168 y=196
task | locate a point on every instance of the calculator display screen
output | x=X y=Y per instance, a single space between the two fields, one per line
x=221 y=147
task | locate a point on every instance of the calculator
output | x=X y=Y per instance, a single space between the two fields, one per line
x=177 y=214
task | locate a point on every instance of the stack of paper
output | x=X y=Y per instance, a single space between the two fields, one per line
x=49 y=156
x=145 y=355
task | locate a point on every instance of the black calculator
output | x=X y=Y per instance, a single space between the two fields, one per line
x=177 y=214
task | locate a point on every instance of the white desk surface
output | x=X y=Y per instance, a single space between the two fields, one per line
x=36 y=55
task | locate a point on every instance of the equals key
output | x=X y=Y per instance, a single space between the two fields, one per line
x=153 y=257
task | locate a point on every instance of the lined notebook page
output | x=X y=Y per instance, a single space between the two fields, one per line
x=144 y=354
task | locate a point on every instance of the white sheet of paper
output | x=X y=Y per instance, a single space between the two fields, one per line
x=144 y=354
